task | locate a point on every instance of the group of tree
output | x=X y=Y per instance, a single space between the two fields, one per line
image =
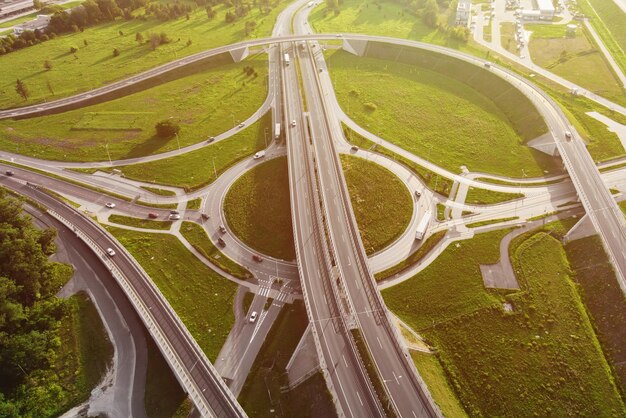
x=30 y=316
x=89 y=13
x=250 y=71
x=168 y=11
x=167 y=129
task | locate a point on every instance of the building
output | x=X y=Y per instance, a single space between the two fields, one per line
x=546 y=9
x=40 y=23
x=463 y=12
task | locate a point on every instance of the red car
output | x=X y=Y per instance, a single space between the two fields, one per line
x=152 y=215
x=257 y=258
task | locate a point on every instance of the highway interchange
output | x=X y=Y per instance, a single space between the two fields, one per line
x=335 y=277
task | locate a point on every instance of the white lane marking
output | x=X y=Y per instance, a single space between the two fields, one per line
x=395 y=377
x=359 y=396
x=344 y=360
x=377 y=339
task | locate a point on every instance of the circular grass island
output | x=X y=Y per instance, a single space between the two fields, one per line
x=257 y=206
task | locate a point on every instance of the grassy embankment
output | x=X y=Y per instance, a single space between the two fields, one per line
x=574 y=58
x=607 y=18
x=197 y=169
x=94 y=65
x=198 y=238
x=155 y=190
x=86 y=352
x=204 y=104
x=139 y=222
x=486 y=122
x=261 y=394
x=476 y=196
x=202 y=298
x=507 y=37
x=546 y=341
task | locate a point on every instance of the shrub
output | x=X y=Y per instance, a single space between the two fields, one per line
x=167 y=128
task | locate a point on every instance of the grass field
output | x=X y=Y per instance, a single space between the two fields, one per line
x=433 y=374
x=202 y=299
x=194 y=204
x=491 y=222
x=478 y=134
x=476 y=196
x=604 y=300
x=160 y=192
x=384 y=18
x=546 y=341
x=198 y=238
x=264 y=221
x=261 y=395
x=382 y=204
x=86 y=351
x=203 y=104
x=198 y=168
x=94 y=65
x=507 y=37
x=576 y=59
x=607 y=18
x=140 y=222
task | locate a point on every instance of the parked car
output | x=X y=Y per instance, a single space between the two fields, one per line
x=253 y=316
x=110 y=252
x=174 y=217
x=257 y=258
x=109 y=205
x=10 y=173
x=152 y=215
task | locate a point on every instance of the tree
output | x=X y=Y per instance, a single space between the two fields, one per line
x=73 y=50
x=47 y=65
x=167 y=128
x=37 y=4
x=116 y=52
x=139 y=38
x=155 y=41
x=210 y=13
x=21 y=89
x=429 y=15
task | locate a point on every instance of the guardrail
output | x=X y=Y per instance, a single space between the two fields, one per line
x=373 y=295
x=181 y=373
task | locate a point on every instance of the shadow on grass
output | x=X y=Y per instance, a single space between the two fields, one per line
x=148 y=147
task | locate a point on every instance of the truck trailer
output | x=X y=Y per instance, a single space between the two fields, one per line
x=423 y=225
x=277 y=131
x=286 y=59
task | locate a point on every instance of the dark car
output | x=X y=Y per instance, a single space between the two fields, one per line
x=221 y=242
x=10 y=173
x=152 y=215
x=174 y=212
x=257 y=258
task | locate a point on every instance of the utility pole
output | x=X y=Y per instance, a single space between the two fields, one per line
x=109 y=155
x=214 y=170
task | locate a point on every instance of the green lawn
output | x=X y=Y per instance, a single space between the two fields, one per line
x=198 y=168
x=576 y=59
x=204 y=104
x=198 y=238
x=476 y=196
x=94 y=65
x=385 y=18
x=507 y=37
x=202 y=299
x=382 y=204
x=539 y=359
x=433 y=374
x=604 y=299
x=194 y=204
x=140 y=222
x=160 y=192
x=491 y=222
x=477 y=132
x=258 y=211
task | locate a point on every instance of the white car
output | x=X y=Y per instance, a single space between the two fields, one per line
x=110 y=205
x=293 y=123
x=568 y=135
x=174 y=217
x=110 y=252
x=241 y=125
x=253 y=316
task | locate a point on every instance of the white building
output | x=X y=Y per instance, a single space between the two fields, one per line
x=40 y=23
x=463 y=12
x=546 y=9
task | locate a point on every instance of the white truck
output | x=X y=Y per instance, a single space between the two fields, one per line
x=277 y=131
x=423 y=225
x=259 y=154
x=286 y=59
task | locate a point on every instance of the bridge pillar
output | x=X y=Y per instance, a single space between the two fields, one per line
x=355 y=47
x=240 y=54
x=583 y=229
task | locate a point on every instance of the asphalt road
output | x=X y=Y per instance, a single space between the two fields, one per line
x=203 y=379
